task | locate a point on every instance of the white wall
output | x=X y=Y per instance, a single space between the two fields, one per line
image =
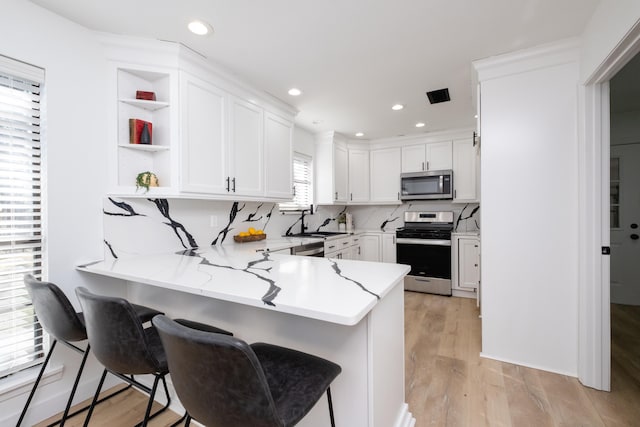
x=530 y=207
x=75 y=148
x=609 y=24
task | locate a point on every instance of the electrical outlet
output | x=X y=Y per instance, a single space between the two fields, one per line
x=213 y=221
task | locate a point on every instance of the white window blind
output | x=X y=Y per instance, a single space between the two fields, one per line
x=22 y=343
x=302 y=184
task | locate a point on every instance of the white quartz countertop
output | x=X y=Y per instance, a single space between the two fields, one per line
x=332 y=290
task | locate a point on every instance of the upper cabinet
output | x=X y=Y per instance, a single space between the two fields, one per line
x=331 y=169
x=358 y=175
x=278 y=156
x=204 y=167
x=465 y=171
x=385 y=175
x=425 y=157
x=204 y=134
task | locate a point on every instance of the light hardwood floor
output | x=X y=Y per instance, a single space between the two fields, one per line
x=448 y=384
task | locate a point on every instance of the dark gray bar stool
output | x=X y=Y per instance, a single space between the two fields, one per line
x=223 y=381
x=60 y=320
x=124 y=347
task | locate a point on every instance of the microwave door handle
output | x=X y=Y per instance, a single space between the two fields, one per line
x=441 y=184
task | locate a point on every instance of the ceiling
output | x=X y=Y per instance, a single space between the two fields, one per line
x=352 y=59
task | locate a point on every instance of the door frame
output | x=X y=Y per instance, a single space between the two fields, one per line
x=594 y=337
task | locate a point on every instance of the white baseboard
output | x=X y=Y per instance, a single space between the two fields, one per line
x=527 y=365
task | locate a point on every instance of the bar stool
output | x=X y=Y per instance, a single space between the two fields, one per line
x=223 y=381
x=60 y=320
x=125 y=348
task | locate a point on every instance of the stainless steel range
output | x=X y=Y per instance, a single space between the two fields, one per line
x=424 y=243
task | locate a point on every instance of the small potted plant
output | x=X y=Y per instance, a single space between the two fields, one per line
x=342 y=222
x=146 y=180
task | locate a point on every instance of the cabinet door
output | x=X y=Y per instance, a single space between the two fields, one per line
x=246 y=145
x=468 y=263
x=278 y=134
x=414 y=158
x=439 y=156
x=369 y=247
x=385 y=175
x=358 y=176
x=341 y=165
x=203 y=165
x=388 y=247
x=464 y=171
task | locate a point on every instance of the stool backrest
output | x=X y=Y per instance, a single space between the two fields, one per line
x=116 y=335
x=217 y=377
x=54 y=310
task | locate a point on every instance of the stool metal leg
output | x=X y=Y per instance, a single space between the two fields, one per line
x=95 y=398
x=333 y=423
x=35 y=385
x=188 y=422
x=75 y=385
x=150 y=404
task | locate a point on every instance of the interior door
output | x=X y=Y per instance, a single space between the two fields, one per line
x=625 y=224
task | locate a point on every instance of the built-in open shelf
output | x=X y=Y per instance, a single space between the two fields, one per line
x=147 y=105
x=145 y=147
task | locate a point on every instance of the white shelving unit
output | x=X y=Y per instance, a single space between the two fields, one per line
x=156 y=157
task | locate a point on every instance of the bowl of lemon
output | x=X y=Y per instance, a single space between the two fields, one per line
x=251 y=235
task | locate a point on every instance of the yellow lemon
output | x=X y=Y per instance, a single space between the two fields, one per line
x=259 y=232
x=252 y=230
x=243 y=234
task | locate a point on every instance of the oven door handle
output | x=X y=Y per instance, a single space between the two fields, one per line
x=424 y=242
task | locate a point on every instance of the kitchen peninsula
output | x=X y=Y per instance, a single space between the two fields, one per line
x=350 y=312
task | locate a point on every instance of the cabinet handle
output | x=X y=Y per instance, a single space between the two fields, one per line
x=228 y=184
x=331 y=247
x=336 y=195
x=234 y=184
x=345 y=243
x=294 y=191
x=427 y=165
x=454 y=193
x=423 y=166
x=398 y=195
x=359 y=250
x=351 y=196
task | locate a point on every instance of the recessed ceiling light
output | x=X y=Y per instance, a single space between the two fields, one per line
x=295 y=91
x=397 y=107
x=359 y=134
x=419 y=125
x=200 y=28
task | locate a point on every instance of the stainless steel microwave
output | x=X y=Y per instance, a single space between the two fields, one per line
x=427 y=185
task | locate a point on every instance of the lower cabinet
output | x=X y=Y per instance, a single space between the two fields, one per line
x=369 y=245
x=388 y=247
x=466 y=262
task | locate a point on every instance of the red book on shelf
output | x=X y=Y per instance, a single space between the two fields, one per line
x=147 y=96
x=140 y=131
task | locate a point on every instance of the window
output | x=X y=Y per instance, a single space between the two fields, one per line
x=302 y=184
x=21 y=337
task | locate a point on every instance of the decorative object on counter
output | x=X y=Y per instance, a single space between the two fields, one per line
x=461 y=218
x=342 y=222
x=145 y=180
x=252 y=235
x=145 y=96
x=349 y=222
x=140 y=132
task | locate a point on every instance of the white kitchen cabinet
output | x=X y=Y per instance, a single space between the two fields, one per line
x=278 y=152
x=465 y=166
x=369 y=247
x=385 y=175
x=246 y=142
x=466 y=262
x=331 y=166
x=358 y=171
x=340 y=248
x=426 y=157
x=204 y=166
x=388 y=247
x=355 y=251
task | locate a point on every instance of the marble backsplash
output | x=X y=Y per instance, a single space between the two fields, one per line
x=135 y=226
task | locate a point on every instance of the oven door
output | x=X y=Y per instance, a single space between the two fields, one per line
x=430 y=262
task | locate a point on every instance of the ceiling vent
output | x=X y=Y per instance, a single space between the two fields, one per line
x=440 y=95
